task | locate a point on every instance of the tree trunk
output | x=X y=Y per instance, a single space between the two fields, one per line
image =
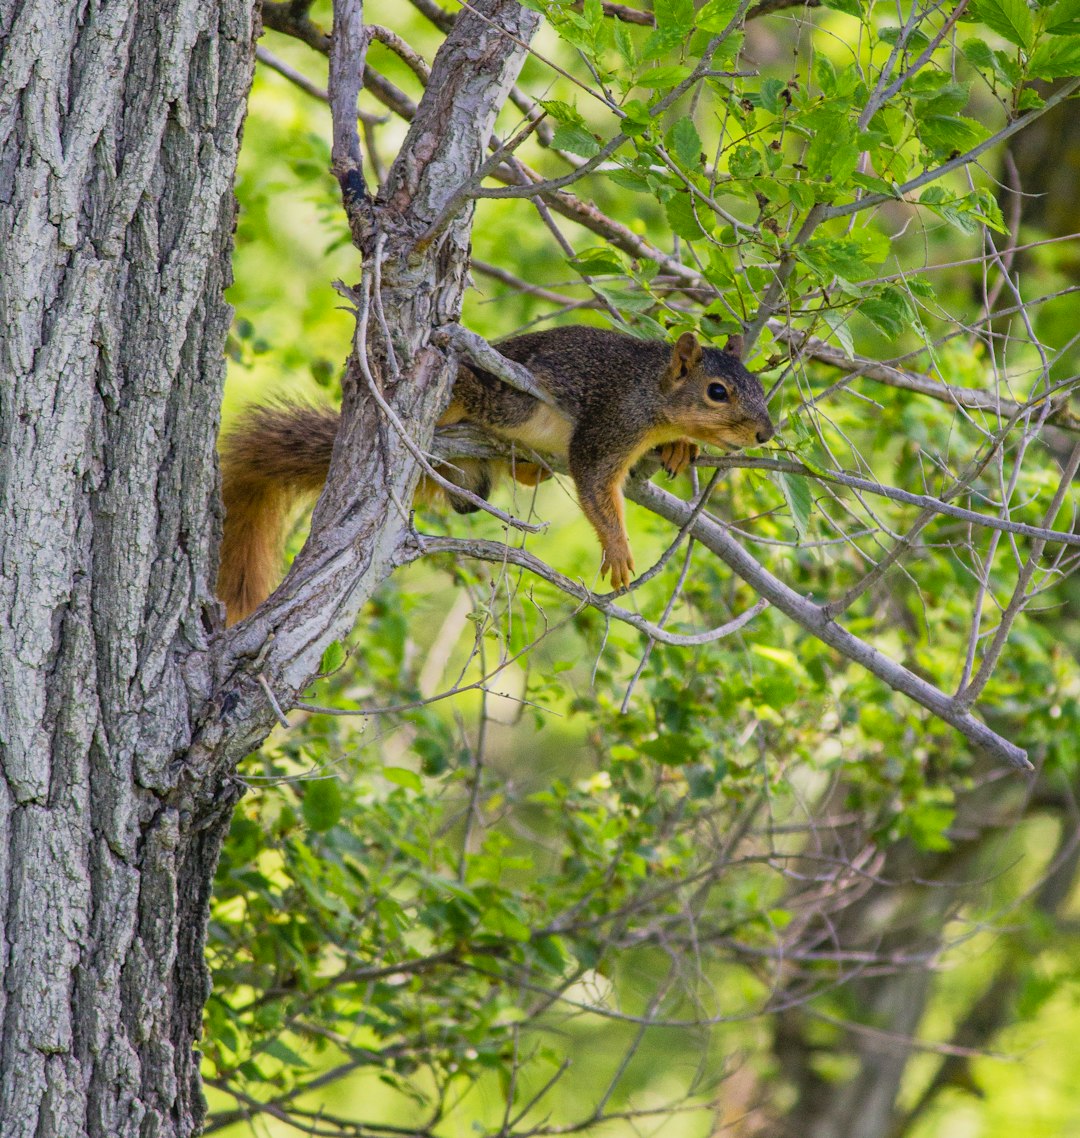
x=119 y=131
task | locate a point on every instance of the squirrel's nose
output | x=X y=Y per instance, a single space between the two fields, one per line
x=766 y=433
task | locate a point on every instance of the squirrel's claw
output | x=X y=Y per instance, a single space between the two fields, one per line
x=677 y=456
x=620 y=567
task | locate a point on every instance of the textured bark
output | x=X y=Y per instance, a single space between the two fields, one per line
x=122 y=713
x=119 y=129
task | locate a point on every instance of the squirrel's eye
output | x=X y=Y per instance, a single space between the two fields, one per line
x=717 y=392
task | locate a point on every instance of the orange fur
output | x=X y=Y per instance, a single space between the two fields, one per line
x=273 y=457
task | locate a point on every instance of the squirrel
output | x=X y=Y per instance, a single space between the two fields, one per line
x=615 y=398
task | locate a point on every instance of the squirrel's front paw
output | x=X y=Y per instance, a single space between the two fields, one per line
x=676 y=457
x=619 y=564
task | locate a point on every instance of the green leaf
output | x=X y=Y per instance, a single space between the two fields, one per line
x=802 y=196
x=660 y=78
x=851 y=257
x=684 y=140
x=333 y=658
x=576 y=140
x=682 y=219
x=402 y=776
x=285 y=1054
x=563 y=112
x=770 y=96
x=886 y=313
x=744 y=162
x=841 y=330
x=672 y=748
x=625 y=300
x=874 y=185
x=716 y=15
x=1063 y=18
x=630 y=180
x=978 y=54
x=323 y=803
x=916 y=41
x=674 y=15
x=800 y=503
x=552 y=954
x=598 y=259
x=1011 y=19
x=1055 y=59
x=945 y=134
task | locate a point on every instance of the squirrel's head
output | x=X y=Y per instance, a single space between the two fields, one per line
x=711 y=397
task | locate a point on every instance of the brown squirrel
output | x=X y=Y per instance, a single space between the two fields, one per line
x=616 y=397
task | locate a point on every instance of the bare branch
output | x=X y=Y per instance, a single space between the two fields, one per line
x=813 y=618
x=478 y=351
x=348 y=48
x=970 y=693
x=970 y=398
x=506 y=555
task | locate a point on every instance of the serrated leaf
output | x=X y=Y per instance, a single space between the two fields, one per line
x=947 y=133
x=685 y=141
x=682 y=219
x=800 y=503
x=977 y=53
x=744 y=162
x=598 y=259
x=660 y=78
x=802 y=196
x=1011 y=19
x=674 y=15
x=575 y=140
x=716 y=15
x=1063 y=19
x=851 y=257
x=838 y=325
x=884 y=314
x=625 y=300
x=920 y=286
x=563 y=112
x=1055 y=59
x=630 y=180
x=875 y=185
x=770 y=95
x=916 y=41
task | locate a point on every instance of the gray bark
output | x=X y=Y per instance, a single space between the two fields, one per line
x=119 y=130
x=122 y=712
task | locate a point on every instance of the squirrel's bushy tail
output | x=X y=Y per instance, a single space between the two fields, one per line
x=272 y=457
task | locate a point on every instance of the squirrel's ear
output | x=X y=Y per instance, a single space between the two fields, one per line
x=735 y=346
x=686 y=353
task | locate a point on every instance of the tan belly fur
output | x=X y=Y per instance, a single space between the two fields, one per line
x=547 y=430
